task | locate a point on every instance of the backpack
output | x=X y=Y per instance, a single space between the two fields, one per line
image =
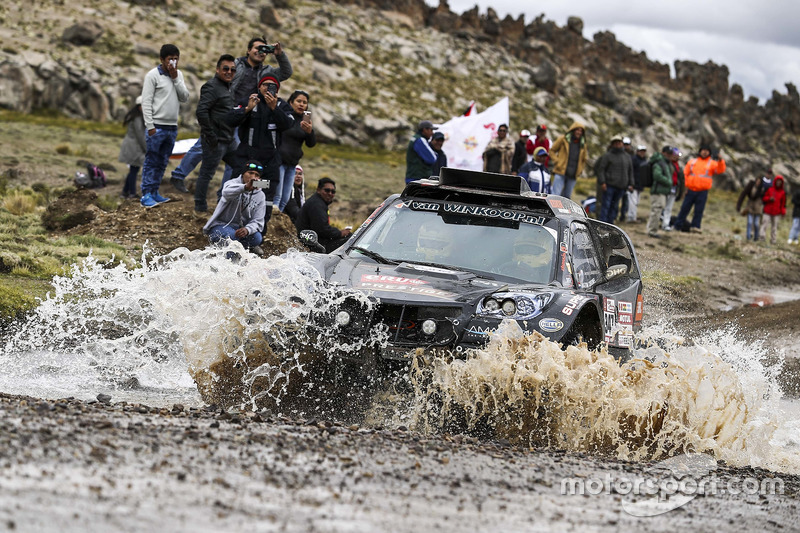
x=647 y=175
x=94 y=178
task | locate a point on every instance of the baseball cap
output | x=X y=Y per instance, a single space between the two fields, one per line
x=425 y=124
x=626 y=140
x=641 y=147
x=438 y=135
x=540 y=150
x=525 y=133
x=541 y=127
x=616 y=138
x=139 y=100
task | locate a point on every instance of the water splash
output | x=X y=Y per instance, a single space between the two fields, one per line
x=236 y=329
x=713 y=396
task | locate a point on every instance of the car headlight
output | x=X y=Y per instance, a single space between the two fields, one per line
x=429 y=327
x=519 y=306
x=342 y=318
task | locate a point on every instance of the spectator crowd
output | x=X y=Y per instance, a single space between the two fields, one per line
x=245 y=123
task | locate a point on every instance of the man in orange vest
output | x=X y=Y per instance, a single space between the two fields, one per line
x=699 y=174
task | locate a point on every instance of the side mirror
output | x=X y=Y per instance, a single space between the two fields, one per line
x=310 y=240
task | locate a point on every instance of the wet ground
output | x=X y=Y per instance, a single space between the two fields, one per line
x=72 y=465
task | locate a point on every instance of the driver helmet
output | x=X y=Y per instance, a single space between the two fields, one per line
x=532 y=249
x=434 y=242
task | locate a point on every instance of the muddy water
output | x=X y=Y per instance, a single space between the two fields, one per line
x=197 y=327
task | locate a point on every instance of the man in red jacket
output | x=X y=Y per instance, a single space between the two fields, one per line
x=774 y=207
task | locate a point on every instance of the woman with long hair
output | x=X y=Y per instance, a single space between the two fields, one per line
x=133 y=147
x=291 y=148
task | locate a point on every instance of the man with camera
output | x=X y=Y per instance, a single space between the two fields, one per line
x=249 y=69
x=216 y=134
x=261 y=123
x=239 y=215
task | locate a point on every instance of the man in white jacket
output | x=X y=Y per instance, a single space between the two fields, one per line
x=240 y=212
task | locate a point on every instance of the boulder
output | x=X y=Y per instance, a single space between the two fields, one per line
x=603 y=93
x=83 y=33
x=16 y=86
x=575 y=25
x=269 y=17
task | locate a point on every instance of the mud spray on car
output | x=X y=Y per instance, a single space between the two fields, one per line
x=221 y=326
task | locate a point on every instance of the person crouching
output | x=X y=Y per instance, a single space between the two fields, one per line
x=240 y=212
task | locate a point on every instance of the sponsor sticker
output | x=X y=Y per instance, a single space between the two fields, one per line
x=639 y=308
x=625 y=307
x=399 y=280
x=550 y=324
x=610 y=307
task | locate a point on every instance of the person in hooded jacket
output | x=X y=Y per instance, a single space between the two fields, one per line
x=752 y=199
x=292 y=146
x=568 y=159
x=664 y=175
x=774 y=207
x=261 y=121
x=133 y=147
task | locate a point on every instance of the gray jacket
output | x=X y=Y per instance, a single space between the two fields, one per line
x=133 y=145
x=245 y=81
x=615 y=169
x=239 y=208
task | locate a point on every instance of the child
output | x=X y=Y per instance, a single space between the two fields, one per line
x=795 y=231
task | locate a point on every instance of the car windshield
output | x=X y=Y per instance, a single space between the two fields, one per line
x=498 y=243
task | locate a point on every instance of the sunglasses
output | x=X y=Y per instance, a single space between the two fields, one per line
x=253 y=166
x=326 y=189
x=228 y=69
x=503 y=131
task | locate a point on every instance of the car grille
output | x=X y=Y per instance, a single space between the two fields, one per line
x=404 y=323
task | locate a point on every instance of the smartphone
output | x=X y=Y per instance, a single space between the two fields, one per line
x=307 y=115
x=173 y=63
x=261 y=184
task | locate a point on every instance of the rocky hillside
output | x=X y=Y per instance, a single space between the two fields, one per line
x=376 y=67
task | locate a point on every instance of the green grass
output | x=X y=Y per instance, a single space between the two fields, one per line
x=29 y=258
x=52 y=117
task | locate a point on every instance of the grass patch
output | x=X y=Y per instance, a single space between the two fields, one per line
x=20 y=295
x=53 y=117
x=327 y=152
x=729 y=250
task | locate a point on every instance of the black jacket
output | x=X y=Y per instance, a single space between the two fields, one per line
x=216 y=103
x=260 y=130
x=296 y=202
x=520 y=156
x=314 y=215
x=292 y=145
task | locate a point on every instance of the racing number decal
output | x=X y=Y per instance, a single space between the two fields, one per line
x=610 y=319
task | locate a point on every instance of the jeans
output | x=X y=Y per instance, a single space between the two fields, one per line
x=753 y=222
x=219 y=233
x=563 y=186
x=129 y=189
x=795 y=231
x=696 y=199
x=611 y=198
x=211 y=158
x=193 y=157
x=156 y=159
x=284 y=191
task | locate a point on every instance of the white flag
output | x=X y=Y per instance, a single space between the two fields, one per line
x=466 y=137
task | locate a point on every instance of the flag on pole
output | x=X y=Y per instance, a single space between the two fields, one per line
x=466 y=136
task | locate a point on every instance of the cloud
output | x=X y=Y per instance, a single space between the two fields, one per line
x=757 y=41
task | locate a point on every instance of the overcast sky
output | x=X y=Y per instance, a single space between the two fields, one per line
x=758 y=41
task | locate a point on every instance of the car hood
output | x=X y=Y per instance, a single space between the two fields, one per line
x=411 y=282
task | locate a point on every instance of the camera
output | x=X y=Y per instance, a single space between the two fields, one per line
x=261 y=184
x=272 y=89
x=266 y=48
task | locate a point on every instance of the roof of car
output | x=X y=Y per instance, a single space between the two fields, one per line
x=486 y=188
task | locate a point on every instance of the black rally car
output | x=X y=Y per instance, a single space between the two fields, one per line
x=449 y=259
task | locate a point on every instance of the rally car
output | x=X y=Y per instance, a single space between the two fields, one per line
x=449 y=259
